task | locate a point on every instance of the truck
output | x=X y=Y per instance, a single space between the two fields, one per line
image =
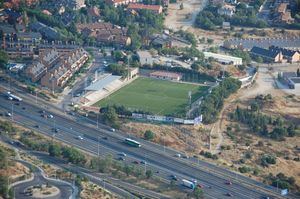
x=188 y=184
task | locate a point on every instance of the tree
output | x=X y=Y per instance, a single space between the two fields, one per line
x=54 y=150
x=110 y=117
x=149 y=174
x=3 y=59
x=195 y=66
x=198 y=193
x=3 y=185
x=210 y=41
x=3 y=158
x=127 y=169
x=149 y=135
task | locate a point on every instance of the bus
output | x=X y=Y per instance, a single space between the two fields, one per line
x=13 y=97
x=132 y=142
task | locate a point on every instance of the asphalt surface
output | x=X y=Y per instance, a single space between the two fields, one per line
x=65 y=189
x=158 y=158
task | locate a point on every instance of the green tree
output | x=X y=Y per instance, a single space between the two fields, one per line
x=110 y=117
x=198 y=193
x=54 y=150
x=149 y=174
x=196 y=66
x=3 y=59
x=127 y=169
x=149 y=135
x=3 y=186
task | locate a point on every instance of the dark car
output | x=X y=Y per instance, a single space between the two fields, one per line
x=229 y=194
x=174 y=177
x=17 y=103
x=56 y=130
x=121 y=158
x=135 y=162
x=105 y=138
x=24 y=108
x=37 y=126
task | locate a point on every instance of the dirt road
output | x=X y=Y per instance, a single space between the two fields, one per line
x=183 y=19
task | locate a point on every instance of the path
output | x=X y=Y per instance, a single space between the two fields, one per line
x=183 y=19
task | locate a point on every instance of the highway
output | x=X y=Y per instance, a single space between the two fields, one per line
x=158 y=158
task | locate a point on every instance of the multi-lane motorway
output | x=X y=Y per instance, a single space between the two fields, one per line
x=158 y=158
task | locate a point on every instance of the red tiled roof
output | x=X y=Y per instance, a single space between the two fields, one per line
x=143 y=6
x=166 y=74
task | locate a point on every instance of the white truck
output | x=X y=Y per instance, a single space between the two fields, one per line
x=188 y=184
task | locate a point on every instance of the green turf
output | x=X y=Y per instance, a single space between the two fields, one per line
x=155 y=96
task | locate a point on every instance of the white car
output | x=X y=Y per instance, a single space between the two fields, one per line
x=50 y=116
x=112 y=130
x=123 y=154
x=8 y=114
x=79 y=137
x=178 y=155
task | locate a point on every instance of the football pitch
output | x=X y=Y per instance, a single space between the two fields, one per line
x=156 y=96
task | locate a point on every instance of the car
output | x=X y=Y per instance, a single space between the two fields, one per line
x=105 y=138
x=200 y=186
x=50 y=116
x=10 y=98
x=194 y=181
x=185 y=156
x=174 y=177
x=79 y=137
x=229 y=194
x=44 y=115
x=228 y=182
x=123 y=154
x=143 y=162
x=56 y=130
x=37 y=126
x=135 y=162
x=17 y=103
x=121 y=158
x=24 y=108
x=8 y=114
x=178 y=155
x=112 y=130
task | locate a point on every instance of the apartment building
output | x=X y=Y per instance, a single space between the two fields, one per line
x=39 y=68
x=57 y=77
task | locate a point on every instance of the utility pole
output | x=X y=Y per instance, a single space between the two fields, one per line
x=12 y=112
x=98 y=147
x=97 y=121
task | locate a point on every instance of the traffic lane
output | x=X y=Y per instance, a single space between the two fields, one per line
x=76 y=144
x=73 y=141
x=214 y=184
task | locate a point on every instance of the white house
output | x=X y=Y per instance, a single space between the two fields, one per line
x=226 y=9
x=145 y=58
x=224 y=59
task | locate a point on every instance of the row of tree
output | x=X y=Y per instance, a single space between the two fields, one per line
x=213 y=103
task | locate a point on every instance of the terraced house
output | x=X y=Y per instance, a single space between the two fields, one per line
x=57 y=77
